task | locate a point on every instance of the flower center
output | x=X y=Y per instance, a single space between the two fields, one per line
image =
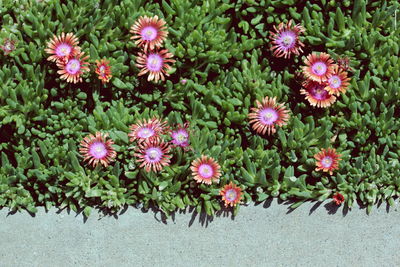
x=206 y=171
x=287 y=39
x=8 y=46
x=231 y=195
x=73 y=66
x=63 y=50
x=153 y=154
x=154 y=62
x=149 y=33
x=327 y=162
x=335 y=82
x=98 y=150
x=319 y=68
x=319 y=93
x=268 y=116
x=145 y=132
x=181 y=137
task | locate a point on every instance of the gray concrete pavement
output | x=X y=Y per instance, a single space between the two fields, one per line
x=258 y=236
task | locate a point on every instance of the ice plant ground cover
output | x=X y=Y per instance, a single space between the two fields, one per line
x=206 y=104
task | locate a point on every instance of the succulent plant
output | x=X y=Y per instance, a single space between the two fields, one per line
x=224 y=65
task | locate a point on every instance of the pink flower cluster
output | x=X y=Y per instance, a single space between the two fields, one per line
x=148 y=135
x=322 y=80
x=71 y=61
x=150 y=34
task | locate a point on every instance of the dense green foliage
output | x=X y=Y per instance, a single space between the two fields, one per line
x=222 y=49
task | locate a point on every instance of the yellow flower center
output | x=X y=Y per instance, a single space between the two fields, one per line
x=153 y=154
x=287 y=40
x=154 y=61
x=231 y=195
x=181 y=138
x=327 y=161
x=102 y=70
x=268 y=116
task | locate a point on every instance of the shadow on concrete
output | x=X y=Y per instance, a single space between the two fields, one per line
x=12 y=212
x=266 y=203
x=315 y=207
x=203 y=219
x=332 y=208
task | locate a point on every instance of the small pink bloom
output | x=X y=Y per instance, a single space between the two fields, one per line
x=180 y=136
x=149 y=32
x=8 y=47
x=231 y=194
x=72 y=69
x=154 y=63
x=286 y=40
x=97 y=149
x=147 y=129
x=153 y=155
x=206 y=170
x=267 y=115
x=62 y=47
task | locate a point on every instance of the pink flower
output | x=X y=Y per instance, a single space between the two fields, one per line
x=97 y=149
x=180 y=136
x=286 y=40
x=72 y=69
x=267 y=115
x=318 y=67
x=231 y=194
x=206 y=170
x=152 y=154
x=317 y=95
x=149 y=32
x=8 y=47
x=154 y=63
x=62 y=47
x=147 y=129
x=327 y=160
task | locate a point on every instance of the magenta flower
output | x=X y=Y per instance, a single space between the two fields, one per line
x=147 y=129
x=267 y=115
x=155 y=63
x=8 y=47
x=286 y=40
x=152 y=154
x=62 y=47
x=97 y=149
x=206 y=170
x=180 y=136
x=149 y=32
